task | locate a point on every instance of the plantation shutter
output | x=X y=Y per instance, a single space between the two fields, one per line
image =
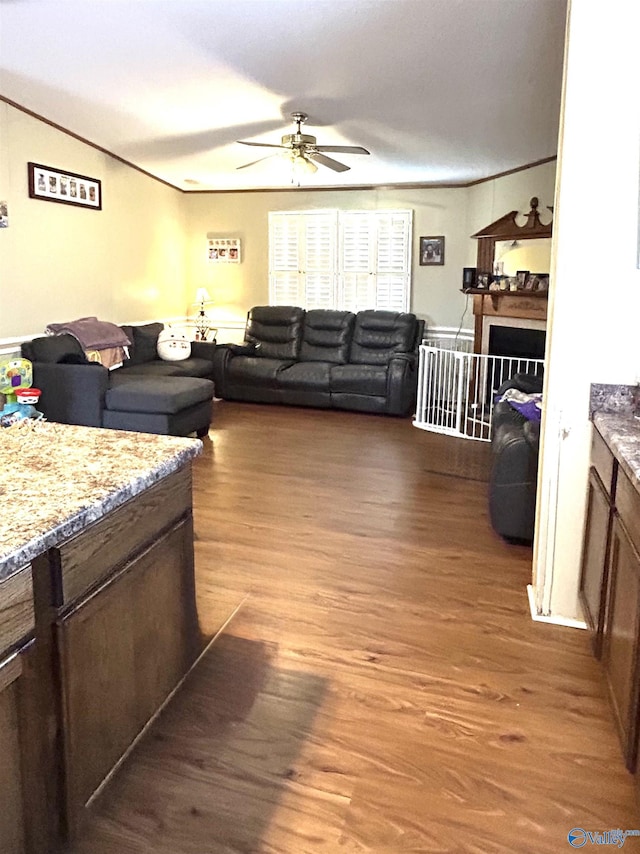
x=319 y=259
x=302 y=259
x=357 y=241
x=284 y=260
x=350 y=260
x=393 y=260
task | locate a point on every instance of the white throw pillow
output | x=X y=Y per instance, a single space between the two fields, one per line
x=173 y=345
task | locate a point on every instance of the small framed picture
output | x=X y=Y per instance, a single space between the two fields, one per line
x=531 y=282
x=223 y=250
x=431 y=251
x=483 y=281
x=543 y=282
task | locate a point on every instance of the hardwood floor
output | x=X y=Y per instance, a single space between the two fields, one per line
x=380 y=686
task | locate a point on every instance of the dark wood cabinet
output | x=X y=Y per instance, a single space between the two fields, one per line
x=621 y=625
x=17 y=624
x=123 y=647
x=610 y=587
x=621 y=638
x=597 y=538
x=12 y=830
x=95 y=635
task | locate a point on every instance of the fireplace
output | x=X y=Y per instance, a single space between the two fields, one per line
x=510 y=336
x=510 y=324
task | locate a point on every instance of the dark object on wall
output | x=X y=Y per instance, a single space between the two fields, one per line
x=432 y=251
x=328 y=359
x=54 y=185
x=468 y=278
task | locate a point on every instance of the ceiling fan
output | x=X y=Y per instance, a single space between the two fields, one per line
x=304 y=151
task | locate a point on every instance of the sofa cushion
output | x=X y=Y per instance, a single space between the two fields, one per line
x=149 y=369
x=158 y=394
x=326 y=336
x=277 y=329
x=359 y=379
x=53 y=348
x=192 y=367
x=377 y=335
x=144 y=341
x=254 y=370
x=310 y=376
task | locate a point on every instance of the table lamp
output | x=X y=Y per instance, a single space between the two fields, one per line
x=202 y=321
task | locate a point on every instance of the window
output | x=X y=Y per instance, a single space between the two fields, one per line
x=348 y=260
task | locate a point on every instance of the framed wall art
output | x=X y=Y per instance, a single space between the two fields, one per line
x=223 y=250
x=69 y=188
x=431 y=251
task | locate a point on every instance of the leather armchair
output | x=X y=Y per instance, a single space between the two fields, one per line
x=514 y=474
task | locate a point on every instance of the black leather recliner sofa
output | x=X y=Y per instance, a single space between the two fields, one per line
x=323 y=358
x=514 y=473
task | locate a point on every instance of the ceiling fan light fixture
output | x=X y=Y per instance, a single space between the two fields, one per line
x=304 y=153
x=301 y=166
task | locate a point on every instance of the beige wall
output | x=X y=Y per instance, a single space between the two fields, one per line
x=455 y=213
x=595 y=298
x=143 y=256
x=59 y=262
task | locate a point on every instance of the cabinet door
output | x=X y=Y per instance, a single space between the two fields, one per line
x=593 y=578
x=122 y=651
x=166 y=635
x=620 y=638
x=11 y=816
x=95 y=644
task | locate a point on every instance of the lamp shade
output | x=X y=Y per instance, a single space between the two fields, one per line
x=202 y=295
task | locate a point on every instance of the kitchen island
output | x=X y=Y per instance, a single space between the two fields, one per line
x=98 y=621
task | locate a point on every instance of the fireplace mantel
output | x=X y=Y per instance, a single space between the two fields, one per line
x=519 y=306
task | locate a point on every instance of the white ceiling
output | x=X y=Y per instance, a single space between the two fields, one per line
x=439 y=91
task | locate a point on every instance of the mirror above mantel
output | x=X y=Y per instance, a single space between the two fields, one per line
x=533 y=254
x=497 y=240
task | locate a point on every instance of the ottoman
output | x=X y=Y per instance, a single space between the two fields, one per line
x=173 y=406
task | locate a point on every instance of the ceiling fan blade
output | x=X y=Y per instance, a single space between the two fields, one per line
x=259 y=160
x=329 y=162
x=343 y=149
x=261 y=144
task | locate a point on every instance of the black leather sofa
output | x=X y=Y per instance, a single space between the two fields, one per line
x=514 y=473
x=322 y=358
x=146 y=394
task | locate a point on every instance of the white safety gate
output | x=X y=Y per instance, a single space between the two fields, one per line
x=456 y=389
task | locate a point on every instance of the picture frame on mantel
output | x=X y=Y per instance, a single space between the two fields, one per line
x=68 y=188
x=432 y=251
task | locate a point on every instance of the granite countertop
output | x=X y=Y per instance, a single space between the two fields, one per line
x=621 y=432
x=55 y=479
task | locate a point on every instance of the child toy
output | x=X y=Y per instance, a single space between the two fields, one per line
x=19 y=397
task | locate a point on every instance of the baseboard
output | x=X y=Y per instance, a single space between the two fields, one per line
x=555 y=621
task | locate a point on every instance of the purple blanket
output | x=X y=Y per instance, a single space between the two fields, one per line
x=93 y=334
x=529 y=405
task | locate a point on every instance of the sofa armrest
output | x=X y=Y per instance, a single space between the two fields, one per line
x=203 y=350
x=402 y=378
x=71 y=394
x=244 y=349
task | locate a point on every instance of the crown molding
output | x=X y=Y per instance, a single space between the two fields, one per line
x=426 y=185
